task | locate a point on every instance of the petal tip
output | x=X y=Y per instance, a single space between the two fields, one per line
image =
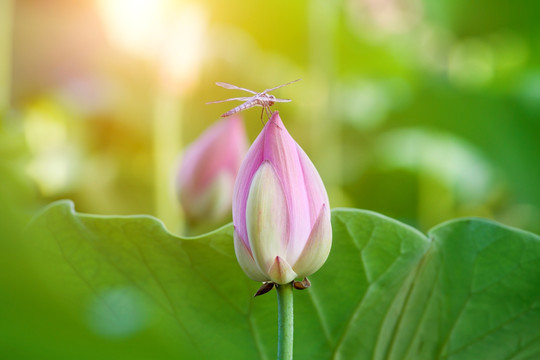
x=281 y=272
x=276 y=119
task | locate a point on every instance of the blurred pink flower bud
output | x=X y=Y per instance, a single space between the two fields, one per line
x=280 y=210
x=209 y=167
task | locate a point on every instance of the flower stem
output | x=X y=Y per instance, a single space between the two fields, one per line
x=285 y=321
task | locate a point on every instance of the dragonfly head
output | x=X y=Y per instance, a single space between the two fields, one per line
x=270 y=98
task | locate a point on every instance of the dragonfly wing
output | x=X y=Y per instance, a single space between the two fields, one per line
x=280 y=86
x=233 y=87
x=281 y=100
x=231 y=99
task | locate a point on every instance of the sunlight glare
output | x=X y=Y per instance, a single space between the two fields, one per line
x=134 y=24
x=183 y=47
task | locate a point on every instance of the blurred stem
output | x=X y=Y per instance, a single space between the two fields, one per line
x=6 y=32
x=323 y=23
x=325 y=127
x=285 y=321
x=167 y=143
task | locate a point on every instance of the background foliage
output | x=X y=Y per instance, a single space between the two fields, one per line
x=421 y=110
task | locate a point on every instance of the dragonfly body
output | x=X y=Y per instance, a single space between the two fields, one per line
x=262 y=99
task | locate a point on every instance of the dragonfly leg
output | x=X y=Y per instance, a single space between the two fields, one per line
x=262 y=113
x=268 y=112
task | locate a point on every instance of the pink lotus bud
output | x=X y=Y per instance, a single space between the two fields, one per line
x=209 y=167
x=280 y=210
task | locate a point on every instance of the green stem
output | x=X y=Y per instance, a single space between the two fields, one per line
x=285 y=321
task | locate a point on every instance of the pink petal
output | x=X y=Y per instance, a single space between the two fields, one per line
x=249 y=167
x=220 y=148
x=317 y=247
x=281 y=151
x=314 y=186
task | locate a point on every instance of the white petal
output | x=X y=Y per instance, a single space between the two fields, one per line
x=281 y=272
x=266 y=217
x=246 y=261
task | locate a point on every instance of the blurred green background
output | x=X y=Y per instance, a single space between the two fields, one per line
x=421 y=110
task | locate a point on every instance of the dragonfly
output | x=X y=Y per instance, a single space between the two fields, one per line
x=262 y=99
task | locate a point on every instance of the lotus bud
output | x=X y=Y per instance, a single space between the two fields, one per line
x=281 y=213
x=205 y=180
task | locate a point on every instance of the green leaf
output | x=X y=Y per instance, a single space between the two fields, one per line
x=471 y=292
x=124 y=286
